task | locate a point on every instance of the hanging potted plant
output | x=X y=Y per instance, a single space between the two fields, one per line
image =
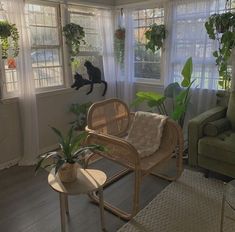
x=155 y=35
x=221 y=27
x=119 y=44
x=74 y=36
x=9 y=40
x=72 y=151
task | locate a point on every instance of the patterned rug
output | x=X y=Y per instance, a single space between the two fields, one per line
x=191 y=204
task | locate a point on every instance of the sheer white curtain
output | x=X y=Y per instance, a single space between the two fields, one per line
x=120 y=81
x=107 y=31
x=128 y=77
x=189 y=39
x=27 y=97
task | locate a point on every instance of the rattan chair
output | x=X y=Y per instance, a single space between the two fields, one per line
x=108 y=122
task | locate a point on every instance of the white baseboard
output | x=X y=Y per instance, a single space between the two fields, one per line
x=9 y=164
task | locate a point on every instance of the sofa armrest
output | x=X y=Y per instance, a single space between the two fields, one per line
x=195 y=130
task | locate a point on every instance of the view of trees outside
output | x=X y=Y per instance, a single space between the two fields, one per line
x=45 y=44
x=147 y=64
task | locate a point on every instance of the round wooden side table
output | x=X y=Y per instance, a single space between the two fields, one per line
x=88 y=181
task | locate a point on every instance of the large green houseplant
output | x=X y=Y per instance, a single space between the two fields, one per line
x=72 y=151
x=155 y=35
x=221 y=27
x=178 y=93
x=9 y=38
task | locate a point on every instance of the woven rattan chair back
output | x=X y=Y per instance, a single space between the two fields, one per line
x=110 y=117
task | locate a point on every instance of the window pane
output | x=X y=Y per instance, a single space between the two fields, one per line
x=46 y=47
x=88 y=20
x=147 y=64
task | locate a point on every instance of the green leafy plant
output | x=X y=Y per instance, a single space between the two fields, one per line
x=178 y=93
x=72 y=150
x=155 y=35
x=221 y=27
x=80 y=111
x=119 y=44
x=9 y=38
x=74 y=36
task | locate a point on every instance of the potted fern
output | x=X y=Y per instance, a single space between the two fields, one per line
x=72 y=151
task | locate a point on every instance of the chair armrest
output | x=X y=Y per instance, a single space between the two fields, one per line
x=195 y=130
x=118 y=149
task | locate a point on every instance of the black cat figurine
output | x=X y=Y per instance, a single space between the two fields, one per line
x=94 y=75
x=79 y=81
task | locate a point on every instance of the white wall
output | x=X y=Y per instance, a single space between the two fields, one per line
x=52 y=110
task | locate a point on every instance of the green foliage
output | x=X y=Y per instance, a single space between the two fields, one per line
x=9 y=38
x=180 y=95
x=74 y=35
x=155 y=36
x=72 y=150
x=119 y=45
x=80 y=111
x=221 y=27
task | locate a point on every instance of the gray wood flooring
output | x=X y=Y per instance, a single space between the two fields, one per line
x=28 y=204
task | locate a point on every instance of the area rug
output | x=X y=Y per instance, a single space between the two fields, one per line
x=191 y=204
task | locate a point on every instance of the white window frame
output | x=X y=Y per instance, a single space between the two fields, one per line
x=60 y=46
x=151 y=81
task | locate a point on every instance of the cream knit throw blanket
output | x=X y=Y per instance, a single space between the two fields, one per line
x=146 y=132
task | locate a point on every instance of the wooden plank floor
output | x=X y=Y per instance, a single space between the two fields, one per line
x=28 y=204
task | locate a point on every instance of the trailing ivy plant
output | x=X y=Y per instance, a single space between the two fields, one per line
x=178 y=93
x=221 y=27
x=119 y=44
x=155 y=35
x=9 y=39
x=74 y=36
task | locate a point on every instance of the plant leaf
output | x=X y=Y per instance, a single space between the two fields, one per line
x=187 y=72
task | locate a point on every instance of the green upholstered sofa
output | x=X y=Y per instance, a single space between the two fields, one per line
x=212 y=139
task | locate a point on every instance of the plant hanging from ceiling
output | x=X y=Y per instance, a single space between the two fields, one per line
x=155 y=35
x=74 y=35
x=9 y=39
x=119 y=44
x=221 y=27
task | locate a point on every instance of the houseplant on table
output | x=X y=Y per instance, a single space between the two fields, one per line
x=72 y=151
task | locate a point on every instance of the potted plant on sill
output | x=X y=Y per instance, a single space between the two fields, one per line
x=80 y=111
x=221 y=27
x=72 y=151
x=155 y=35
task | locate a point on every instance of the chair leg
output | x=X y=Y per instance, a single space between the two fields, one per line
x=115 y=210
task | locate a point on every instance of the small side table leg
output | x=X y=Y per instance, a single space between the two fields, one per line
x=62 y=211
x=222 y=210
x=66 y=205
x=101 y=208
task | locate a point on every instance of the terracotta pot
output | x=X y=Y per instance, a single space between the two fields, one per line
x=68 y=172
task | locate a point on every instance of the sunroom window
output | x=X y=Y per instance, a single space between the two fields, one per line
x=146 y=64
x=45 y=45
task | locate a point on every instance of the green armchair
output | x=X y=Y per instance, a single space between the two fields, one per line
x=212 y=139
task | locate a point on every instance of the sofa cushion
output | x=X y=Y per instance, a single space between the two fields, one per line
x=231 y=109
x=216 y=127
x=221 y=148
